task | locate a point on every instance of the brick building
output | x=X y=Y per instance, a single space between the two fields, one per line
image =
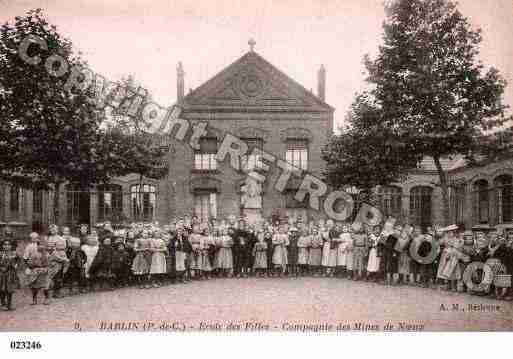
x=259 y=104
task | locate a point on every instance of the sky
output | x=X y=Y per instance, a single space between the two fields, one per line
x=147 y=39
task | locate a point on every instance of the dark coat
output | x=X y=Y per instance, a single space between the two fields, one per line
x=102 y=263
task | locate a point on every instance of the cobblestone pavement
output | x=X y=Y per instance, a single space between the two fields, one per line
x=279 y=303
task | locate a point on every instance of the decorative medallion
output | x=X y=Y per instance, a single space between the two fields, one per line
x=250 y=87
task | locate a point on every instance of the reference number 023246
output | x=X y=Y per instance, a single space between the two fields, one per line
x=25 y=345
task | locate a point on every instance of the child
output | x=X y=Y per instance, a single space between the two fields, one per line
x=467 y=249
x=142 y=260
x=224 y=258
x=315 y=253
x=59 y=261
x=303 y=244
x=360 y=250
x=197 y=255
x=130 y=249
x=344 y=242
x=37 y=272
x=82 y=234
x=350 y=253
x=101 y=268
x=414 y=265
x=292 y=252
x=280 y=242
x=404 y=256
x=260 y=255
x=373 y=264
x=207 y=244
x=158 y=259
x=8 y=278
x=77 y=262
x=120 y=264
x=326 y=247
x=181 y=246
x=390 y=255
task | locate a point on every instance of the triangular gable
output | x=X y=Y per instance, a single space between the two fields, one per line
x=253 y=83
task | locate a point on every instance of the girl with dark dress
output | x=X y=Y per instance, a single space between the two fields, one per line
x=76 y=271
x=120 y=265
x=101 y=268
x=9 y=261
x=390 y=258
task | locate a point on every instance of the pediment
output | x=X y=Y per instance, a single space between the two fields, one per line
x=253 y=83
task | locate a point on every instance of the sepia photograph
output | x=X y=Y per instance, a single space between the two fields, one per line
x=272 y=166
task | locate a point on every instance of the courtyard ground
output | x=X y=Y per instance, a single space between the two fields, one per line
x=312 y=304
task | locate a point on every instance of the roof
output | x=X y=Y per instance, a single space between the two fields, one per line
x=251 y=83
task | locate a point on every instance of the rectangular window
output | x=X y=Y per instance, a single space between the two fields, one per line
x=110 y=202
x=459 y=204
x=297 y=153
x=143 y=202
x=205 y=205
x=17 y=203
x=250 y=161
x=205 y=157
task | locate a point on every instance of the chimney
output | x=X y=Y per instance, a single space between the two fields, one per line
x=180 y=82
x=321 y=83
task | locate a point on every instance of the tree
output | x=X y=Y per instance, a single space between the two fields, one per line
x=50 y=134
x=429 y=86
x=132 y=147
x=366 y=154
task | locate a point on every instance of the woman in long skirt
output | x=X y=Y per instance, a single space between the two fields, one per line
x=90 y=248
x=373 y=264
x=326 y=248
x=342 y=249
x=292 y=252
x=207 y=245
x=224 y=258
x=158 y=259
x=315 y=253
x=8 y=278
x=280 y=242
x=142 y=261
x=303 y=245
x=260 y=255
x=37 y=272
x=196 y=263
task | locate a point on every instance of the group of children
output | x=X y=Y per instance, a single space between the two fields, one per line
x=148 y=255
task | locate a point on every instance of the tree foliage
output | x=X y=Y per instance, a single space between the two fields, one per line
x=430 y=90
x=50 y=134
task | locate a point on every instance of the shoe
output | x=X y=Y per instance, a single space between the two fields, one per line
x=46 y=301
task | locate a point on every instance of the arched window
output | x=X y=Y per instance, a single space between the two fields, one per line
x=421 y=205
x=504 y=198
x=144 y=200
x=481 y=201
x=110 y=201
x=391 y=201
x=77 y=205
